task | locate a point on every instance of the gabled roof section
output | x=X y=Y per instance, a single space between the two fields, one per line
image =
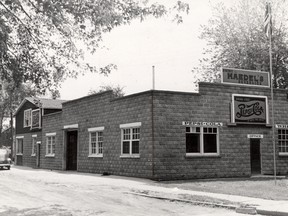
x=46 y=103
x=43 y=103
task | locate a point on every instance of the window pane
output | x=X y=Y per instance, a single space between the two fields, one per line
x=100 y=136
x=93 y=136
x=100 y=142
x=125 y=147
x=192 y=143
x=210 y=143
x=100 y=148
x=53 y=145
x=136 y=133
x=135 y=147
x=283 y=140
x=93 y=148
x=126 y=134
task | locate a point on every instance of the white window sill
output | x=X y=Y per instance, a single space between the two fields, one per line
x=96 y=156
x=283 y=153
x=19 y=154
x=130 y=156
x=50 y=155
x=32 y=128
x=202 y=155
x=33 y=155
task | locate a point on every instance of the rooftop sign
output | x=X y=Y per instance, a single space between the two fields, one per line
x=245 y=77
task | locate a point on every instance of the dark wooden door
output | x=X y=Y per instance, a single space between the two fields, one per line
x=72 y=150
x=255 y=156
x=38 y=154
x=19 y=160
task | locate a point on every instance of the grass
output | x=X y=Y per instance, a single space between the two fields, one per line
x=261 y=187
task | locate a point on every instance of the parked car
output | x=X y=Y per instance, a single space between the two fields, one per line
x=5 y=161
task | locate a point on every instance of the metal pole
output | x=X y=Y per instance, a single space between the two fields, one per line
x=153 y=77
x=272 y=106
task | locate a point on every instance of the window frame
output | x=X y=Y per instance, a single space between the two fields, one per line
x=36 y=110
x=97 y=131
x=202 y=133
x=34 y=145
x=17 y=145
x=50 y=151
x=29 y=118
x=285 y=140
x=130 y=127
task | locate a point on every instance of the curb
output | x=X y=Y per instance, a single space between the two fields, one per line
x=238 y=209
x=246 y=210
x=231 y=207
x=274 y=213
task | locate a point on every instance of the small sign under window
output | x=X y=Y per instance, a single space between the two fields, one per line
x=255 y=136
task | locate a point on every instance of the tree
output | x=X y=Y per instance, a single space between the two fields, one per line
x=44 y=41
x=235 y=38
x=10 y=97
x=117 y=90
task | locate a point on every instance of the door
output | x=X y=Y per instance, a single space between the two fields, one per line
x=72 y=150
x=255 y=156
x=38 y=144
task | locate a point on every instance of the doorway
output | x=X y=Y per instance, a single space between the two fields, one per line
x=71 y=158
x=255 y=156
x=38 y=145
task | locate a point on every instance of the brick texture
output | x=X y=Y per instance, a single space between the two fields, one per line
x=212 y=104
x=163 y=156
x=52 y=123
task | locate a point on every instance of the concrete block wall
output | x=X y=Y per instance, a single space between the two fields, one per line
x=102 y=110
x=212 y=104
x=52 y=123
x=165 y=158
x=130 y=109
x=281 y=117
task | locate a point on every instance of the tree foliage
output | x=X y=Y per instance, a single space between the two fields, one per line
x=235 y=38
x=117 y=90
x=44 y=41
x=10 y=97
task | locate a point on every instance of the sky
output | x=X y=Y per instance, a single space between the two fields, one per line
x=173 y=49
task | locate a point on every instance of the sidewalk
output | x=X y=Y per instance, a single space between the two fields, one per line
x=241 y=204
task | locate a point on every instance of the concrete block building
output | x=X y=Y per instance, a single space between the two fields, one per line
x=222 y=131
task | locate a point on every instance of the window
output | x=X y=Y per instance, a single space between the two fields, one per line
x=283 y=141
x=27 y=118
x=36 y=119
x=19 y=145
x=202 y=141
x=130 y=139
x=50 y=144
x=34 y=141
x=96 y=142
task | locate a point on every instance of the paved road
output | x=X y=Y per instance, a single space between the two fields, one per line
x=26 y=191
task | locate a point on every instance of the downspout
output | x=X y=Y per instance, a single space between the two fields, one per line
x=152 y=122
